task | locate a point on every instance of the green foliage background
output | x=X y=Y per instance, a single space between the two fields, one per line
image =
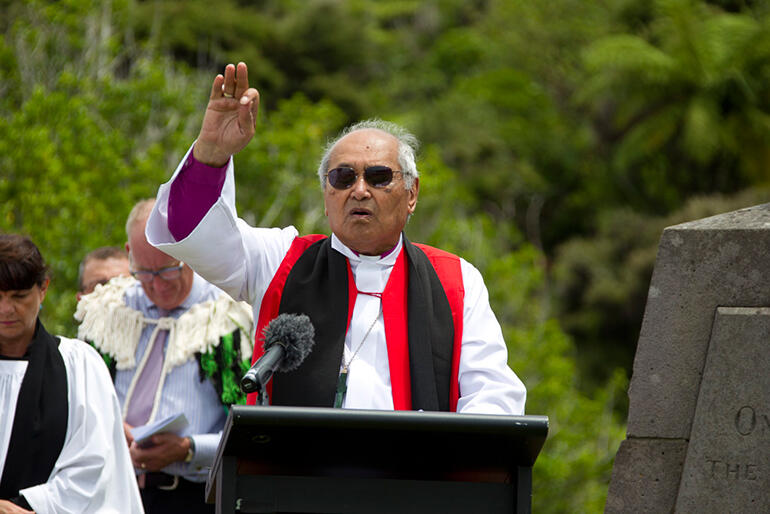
x=559 y=137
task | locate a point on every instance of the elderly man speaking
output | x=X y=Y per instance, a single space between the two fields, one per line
x=397 y=325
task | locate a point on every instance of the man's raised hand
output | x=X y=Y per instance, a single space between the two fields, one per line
x=230 y=119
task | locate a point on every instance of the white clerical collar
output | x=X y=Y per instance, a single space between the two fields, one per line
x=387 y=259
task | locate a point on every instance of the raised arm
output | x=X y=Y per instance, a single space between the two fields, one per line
x=195 y=219
x=230 y=118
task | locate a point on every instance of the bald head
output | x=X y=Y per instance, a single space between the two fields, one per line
x=163 y=292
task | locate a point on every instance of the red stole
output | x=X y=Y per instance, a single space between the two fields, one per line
x=449 y=272
x=394 y=305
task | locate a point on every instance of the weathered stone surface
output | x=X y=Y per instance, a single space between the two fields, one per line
x=645 y=477
x=727 y=468
x=717 y=261
x=702 y=266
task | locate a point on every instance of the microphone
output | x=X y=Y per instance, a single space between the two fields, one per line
x=288 y=341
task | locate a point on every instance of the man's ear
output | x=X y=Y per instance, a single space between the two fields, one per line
x=413 y=193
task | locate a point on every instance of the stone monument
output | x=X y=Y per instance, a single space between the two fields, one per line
x=698 y=437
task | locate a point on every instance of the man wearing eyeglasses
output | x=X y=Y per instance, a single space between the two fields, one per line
x=398 y=325
x=176 y=345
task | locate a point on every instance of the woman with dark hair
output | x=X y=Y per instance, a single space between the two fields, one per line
x=62 y=447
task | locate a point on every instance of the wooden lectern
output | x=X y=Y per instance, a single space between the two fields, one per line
x=323 y=460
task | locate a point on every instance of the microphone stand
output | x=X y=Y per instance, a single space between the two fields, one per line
x=262 y=397
x=253 y=384
x=256 y=379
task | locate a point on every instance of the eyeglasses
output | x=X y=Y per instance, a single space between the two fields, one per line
x=169 y=273
x=344 y=177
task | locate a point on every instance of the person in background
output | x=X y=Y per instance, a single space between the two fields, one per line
x=62 y=446
x=176 y=345
x=99 y=266
x=398 y=325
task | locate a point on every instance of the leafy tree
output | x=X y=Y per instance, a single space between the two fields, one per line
x=77 y=146
x=320 y=48
x=500 y=106
x=585 y=429
x=683 y=106
x=600 y=282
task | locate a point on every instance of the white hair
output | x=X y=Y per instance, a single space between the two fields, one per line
x=407 y=148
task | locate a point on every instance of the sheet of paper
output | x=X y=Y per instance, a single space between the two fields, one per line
x=175 y=424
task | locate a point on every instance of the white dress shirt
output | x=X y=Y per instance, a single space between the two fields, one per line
x=183 y=390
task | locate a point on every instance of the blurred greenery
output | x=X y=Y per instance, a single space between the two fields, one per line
x=559 y=139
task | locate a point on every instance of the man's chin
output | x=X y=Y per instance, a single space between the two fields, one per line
x=355 y=242
x=165 y=304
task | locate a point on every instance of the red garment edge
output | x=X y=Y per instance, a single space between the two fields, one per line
x=447 y=268
x=450 y=275
x=272 y=300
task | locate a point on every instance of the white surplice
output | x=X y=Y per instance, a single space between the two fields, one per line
x=93 y=473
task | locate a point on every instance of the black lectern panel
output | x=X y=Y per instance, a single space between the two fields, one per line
x=292 y=459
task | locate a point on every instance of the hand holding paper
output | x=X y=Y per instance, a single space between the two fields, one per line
x=174 y=424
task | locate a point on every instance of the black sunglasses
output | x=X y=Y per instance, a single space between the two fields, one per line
x=344 y=177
